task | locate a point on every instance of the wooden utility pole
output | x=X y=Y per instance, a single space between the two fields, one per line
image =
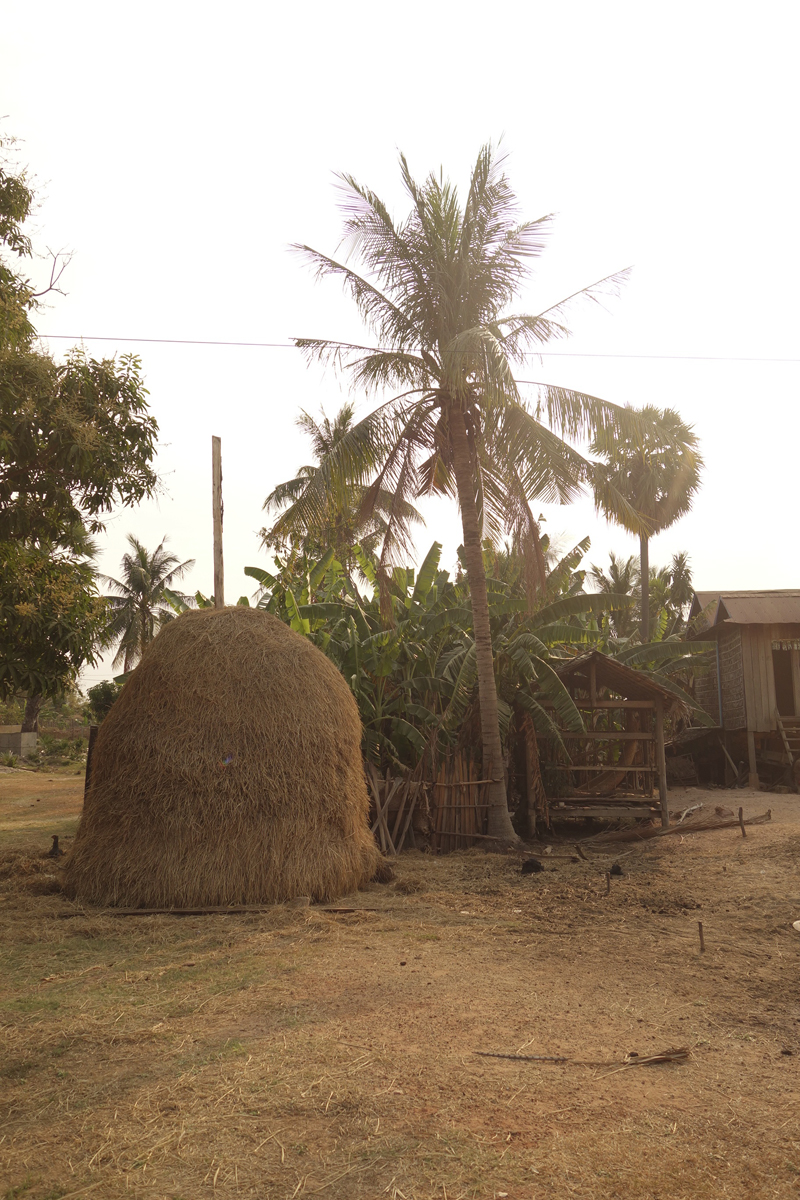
x=216 y=486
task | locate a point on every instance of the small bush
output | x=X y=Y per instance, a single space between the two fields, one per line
x=8 y=759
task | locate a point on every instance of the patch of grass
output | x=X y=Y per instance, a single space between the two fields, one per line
x=29 y=1004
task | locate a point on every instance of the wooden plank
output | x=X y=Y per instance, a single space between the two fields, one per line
x=216 y=500
x=795 y=658
x=603 y=811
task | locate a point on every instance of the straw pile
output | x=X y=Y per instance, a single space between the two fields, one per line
x=228 y=772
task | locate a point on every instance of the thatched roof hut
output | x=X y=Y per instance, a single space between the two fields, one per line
x=229 y=771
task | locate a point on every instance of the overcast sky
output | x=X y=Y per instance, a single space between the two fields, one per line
x=178 y=149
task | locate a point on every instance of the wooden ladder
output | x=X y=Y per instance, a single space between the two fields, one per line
x=789 y=729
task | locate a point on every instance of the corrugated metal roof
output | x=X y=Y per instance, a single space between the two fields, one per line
x=749 y=608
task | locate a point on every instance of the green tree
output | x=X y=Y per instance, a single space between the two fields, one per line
x=100 y=698
x=433 y=290
x=140 y=605
x=346 y=519
x=76 y=438
x=17 y=296
x=51 y=621
x=622 y=580
x=657 y=469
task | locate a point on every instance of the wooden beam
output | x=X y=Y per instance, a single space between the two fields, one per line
x=216 y=500
x=662 y=764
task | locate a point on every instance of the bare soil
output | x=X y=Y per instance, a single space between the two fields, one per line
x=300 y=1052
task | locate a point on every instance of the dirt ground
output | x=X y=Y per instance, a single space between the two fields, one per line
x=301 y=1052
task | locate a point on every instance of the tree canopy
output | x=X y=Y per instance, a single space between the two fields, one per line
x=657 y=469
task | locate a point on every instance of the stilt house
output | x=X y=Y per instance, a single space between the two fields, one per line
x=753 y=690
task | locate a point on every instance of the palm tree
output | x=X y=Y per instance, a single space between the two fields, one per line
x=433 y=291
x=658 y=471
x=343 y=523
x=140 y=606
x=622 y=580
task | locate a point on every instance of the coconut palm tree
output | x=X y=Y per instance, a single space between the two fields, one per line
x=343 y=523
x=622 y=579
x=658 y=472
x=433 y=289
x=139 y=604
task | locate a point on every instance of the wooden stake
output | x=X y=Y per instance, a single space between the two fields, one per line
x=741 y=822
x=608 y=883
x=89 y=752
x=702 y=940
x=216 y=488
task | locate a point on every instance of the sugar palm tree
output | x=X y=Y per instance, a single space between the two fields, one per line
x=658 y=471
x=343 y=523
x=139 y=604
x=433 y=289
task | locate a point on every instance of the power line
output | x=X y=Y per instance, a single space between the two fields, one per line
x=530 y=353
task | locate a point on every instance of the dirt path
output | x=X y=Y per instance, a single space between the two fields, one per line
x=301 y=1052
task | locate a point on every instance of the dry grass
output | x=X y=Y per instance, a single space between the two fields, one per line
x=228 y=772
x=301 y=1053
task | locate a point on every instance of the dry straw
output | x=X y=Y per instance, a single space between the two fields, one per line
x=228 y=772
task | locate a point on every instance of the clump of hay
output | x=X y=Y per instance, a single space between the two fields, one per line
x=228 y=772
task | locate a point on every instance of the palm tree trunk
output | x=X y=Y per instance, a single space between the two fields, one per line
x=499 y=820
x=644 y=570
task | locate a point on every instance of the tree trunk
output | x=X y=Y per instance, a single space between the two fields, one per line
x=30 y=722
x=499 y=819
x=644 y=570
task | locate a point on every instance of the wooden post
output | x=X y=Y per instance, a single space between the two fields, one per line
x=751 y=755
x=216 y=487
x=662 y=763
x=89 y=752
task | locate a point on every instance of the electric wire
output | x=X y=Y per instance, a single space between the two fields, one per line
x=529 y=353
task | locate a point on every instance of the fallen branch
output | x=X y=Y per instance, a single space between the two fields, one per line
x=212 y=910
x=630 y=1060
x=652 y=831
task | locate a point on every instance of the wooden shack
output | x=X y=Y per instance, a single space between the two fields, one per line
x=617 y=765
x=753 y=690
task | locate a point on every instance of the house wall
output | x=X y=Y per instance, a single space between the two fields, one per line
x=759 y=677
x=706 y=693
x=732 y=675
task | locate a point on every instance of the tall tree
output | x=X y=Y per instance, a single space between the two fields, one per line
x=139 y=605
x=51 y=621
x=76 y=438
x=433 y=290
x=658 y=471
x=343 y=523
x=622 y=580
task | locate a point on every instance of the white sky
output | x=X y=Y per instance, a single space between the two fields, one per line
x=179 y=148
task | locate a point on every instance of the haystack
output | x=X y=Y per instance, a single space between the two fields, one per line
x=228 y=772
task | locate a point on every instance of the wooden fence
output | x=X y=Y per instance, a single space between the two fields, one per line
x=448 y=812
